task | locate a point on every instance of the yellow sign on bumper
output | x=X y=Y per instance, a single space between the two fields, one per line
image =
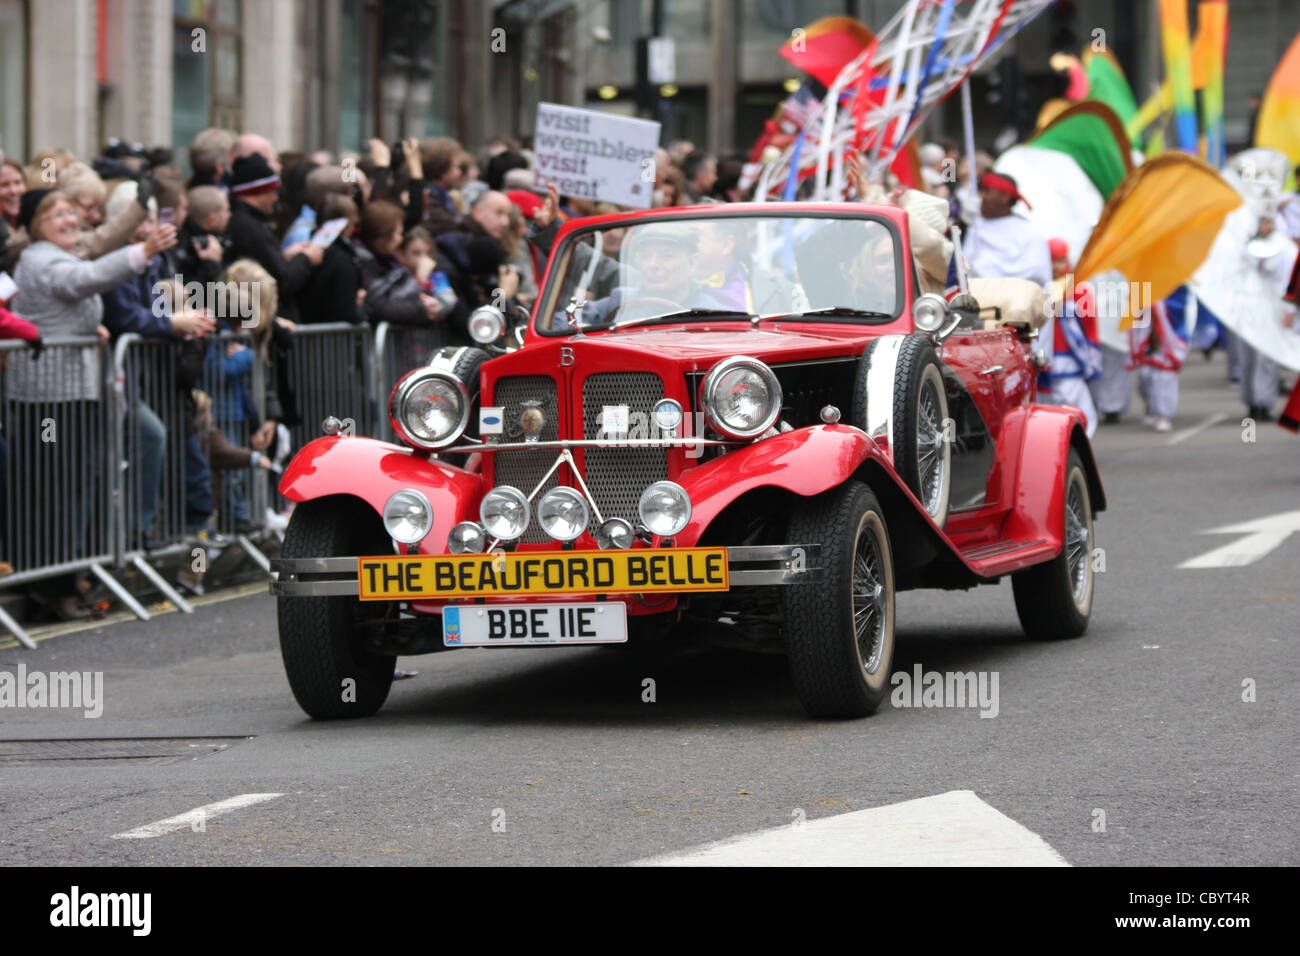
x=434 y=576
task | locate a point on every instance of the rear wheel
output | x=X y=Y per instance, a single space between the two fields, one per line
x=1054 y=599
x=840 y=631
x=323 y=639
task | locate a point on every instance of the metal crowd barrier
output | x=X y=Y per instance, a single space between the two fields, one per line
x=102 y=467
x=329 y=368
x=157 y=383
x=58 y=483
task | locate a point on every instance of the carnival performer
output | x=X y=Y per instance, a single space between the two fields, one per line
x=1157 y=352
x=1272 y=263
x=1000 y=244
x=1076 y=354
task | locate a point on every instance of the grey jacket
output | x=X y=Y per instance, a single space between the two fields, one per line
x=59 y=294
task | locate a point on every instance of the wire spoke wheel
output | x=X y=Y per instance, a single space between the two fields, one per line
x=930 y=460
x=1054 y=599
x=839 y=629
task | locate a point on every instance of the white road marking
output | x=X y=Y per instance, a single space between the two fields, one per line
x=1262 y=536
x=198 y=816
x=1179 y=437
x=951 y=829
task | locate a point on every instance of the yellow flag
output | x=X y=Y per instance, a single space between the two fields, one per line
x=1158 y=226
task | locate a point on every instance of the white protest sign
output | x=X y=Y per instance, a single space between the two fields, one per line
x=595 y=155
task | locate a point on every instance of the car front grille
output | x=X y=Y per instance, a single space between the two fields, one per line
x=617 y=476
x=524 y=469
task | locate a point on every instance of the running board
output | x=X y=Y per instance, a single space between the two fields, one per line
x=1003 y=557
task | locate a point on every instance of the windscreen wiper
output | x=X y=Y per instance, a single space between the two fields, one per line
x=836 y=311
x=684 y=314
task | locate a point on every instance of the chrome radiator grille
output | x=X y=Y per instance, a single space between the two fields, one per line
x=523 y=469
x=617 y=476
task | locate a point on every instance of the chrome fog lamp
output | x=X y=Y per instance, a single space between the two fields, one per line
x=929 y=313
x=486 y=324
x=467 y=538
x=667 y=414
x=504 y=513
x=563 y=513
x=615 y=533
x=408 y=516
x=429 y=409
x=741 y=397
x=665 y=508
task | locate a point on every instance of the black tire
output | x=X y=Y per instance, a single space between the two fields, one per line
x=834 y=674
x=922 y=454
x=467 y=368
x=321 y=637
x=1054 y=599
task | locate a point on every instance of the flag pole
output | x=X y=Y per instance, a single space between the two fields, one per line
x=968 y=129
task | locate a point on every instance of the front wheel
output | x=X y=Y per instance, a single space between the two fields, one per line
x=1054 y=599
x=840 y=631
x=323 y=639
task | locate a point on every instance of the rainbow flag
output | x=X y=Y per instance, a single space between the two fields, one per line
x=1178 y=66
x=1209 y=52
x=1278 y=126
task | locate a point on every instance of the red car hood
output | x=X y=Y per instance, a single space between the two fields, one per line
x=699 y=345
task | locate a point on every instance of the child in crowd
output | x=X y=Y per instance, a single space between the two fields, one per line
x=229 y=369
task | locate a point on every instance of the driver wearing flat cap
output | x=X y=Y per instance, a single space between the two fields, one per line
x=662 y=258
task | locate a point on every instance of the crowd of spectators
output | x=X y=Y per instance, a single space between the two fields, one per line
x=417 y=234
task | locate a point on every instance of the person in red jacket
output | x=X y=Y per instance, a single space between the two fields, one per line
x=12 y=327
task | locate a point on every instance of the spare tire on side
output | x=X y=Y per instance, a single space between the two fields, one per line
x=899 y=393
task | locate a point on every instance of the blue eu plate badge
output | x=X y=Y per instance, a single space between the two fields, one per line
x=450 y=625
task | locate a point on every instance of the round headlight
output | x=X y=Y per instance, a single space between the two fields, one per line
x=614 y=533
x=466 y=538
x=741 y=397
x=486 y=323
x=929 y=312
x=563 y=513
x=429 y=409
x=667 y=414
x=665 y=508
x=408 y=516
x=504 y=513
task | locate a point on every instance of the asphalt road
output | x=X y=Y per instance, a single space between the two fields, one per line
x=1142 y=719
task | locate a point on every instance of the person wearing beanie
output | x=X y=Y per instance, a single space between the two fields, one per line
x=254 y=188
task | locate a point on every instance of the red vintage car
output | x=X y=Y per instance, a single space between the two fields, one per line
x=741 y=418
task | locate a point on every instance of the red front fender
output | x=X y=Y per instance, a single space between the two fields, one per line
x=806 y=461
x=372 y=470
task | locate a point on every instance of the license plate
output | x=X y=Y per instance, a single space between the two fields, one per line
x=638 y=570
x=485 y=625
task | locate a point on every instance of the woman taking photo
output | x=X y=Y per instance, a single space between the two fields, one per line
x=60 y=421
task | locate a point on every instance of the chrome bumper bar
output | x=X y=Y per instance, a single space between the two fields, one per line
x=757 y=566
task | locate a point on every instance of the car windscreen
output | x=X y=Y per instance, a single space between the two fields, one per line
x=697 y=268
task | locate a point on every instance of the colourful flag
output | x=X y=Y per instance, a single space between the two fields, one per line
x=1278 y=126
x=1090 y=133
x=1208 y=54
x=826 y=46
x=1178 y=67
x=1159 y=225
x=1107 y=84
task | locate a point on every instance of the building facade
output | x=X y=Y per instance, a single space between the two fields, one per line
x=329 y=74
